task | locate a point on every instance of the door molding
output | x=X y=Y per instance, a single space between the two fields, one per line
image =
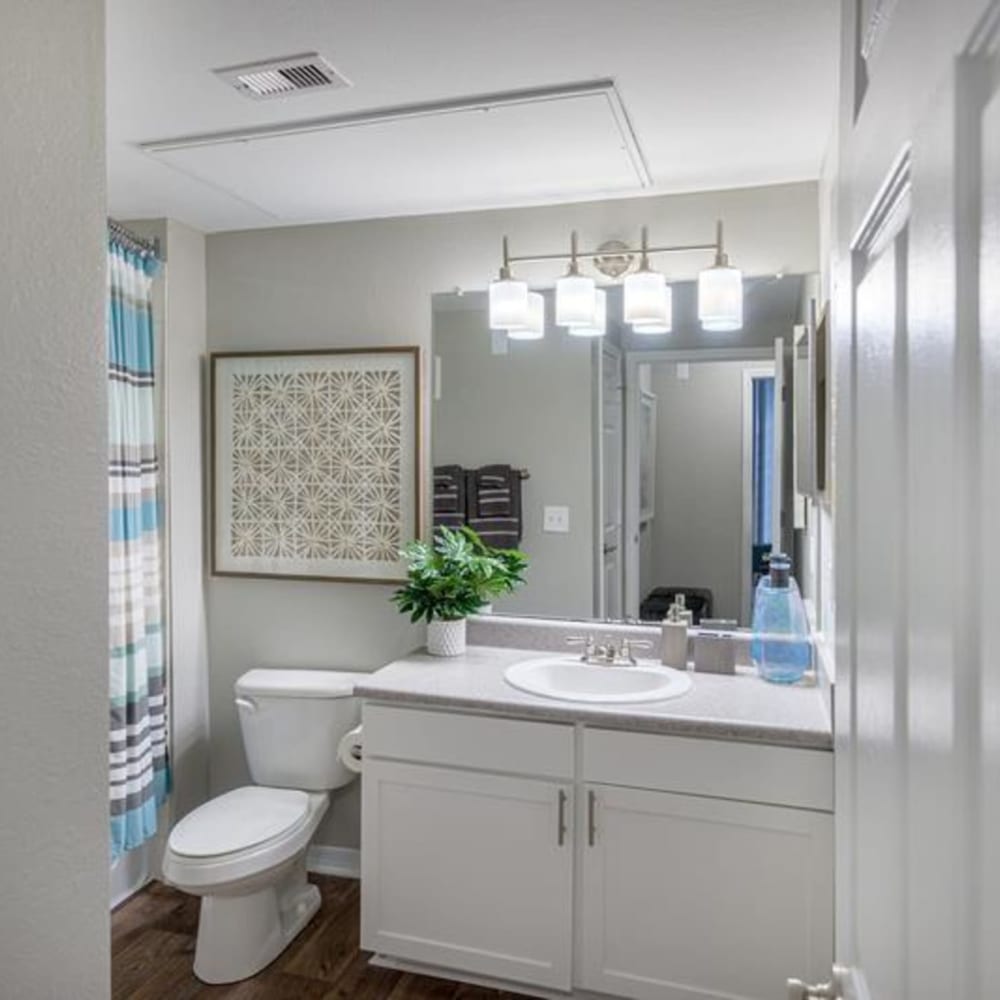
x=601 y=349
x=750 y=375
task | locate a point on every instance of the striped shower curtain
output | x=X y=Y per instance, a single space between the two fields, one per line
x=140 y=777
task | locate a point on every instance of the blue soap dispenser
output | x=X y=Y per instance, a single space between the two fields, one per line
x=780 y=647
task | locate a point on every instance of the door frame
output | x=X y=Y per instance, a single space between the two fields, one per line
x=750 y=375
x=600 y=348
x=630 y=547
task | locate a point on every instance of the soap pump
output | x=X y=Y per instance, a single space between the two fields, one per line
x=674 y=635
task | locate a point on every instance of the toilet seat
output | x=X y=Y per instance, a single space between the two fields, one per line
x=238 y=820
x=271 y=824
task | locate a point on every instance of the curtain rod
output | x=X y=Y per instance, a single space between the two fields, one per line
x=129 y=240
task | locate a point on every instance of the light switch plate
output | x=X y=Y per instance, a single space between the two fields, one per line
x=556 y=519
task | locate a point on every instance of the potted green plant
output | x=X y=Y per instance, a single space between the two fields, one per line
x=452 y=577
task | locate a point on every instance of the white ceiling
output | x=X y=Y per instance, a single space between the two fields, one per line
x=720 y=93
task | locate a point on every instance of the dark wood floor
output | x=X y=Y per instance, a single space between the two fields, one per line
x=152 y=948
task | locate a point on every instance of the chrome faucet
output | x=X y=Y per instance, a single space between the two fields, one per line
x=607 y=654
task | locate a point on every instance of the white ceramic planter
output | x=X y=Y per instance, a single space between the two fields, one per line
x=446 y=638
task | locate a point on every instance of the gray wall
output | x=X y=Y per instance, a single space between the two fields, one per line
x=530 y=408
x=54 y=928
x=368 y=283
x=186 y=344
x=695 y=538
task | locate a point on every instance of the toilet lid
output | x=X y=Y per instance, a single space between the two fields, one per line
x=237 y=820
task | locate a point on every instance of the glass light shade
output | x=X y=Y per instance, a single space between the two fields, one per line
x=720 y=298
x=508 y=304
x=662 y=325
x=646 y=298
x=535 y=327
x=575 y=300
x=598 y=320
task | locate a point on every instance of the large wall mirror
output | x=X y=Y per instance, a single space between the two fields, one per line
x=632 y=467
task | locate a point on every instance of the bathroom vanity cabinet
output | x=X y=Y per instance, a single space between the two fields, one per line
x=566 y=857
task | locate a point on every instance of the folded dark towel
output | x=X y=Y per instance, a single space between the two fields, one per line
x=494 y=505
x=449 y=496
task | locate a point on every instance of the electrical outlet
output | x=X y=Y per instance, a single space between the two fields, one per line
x=556 y=519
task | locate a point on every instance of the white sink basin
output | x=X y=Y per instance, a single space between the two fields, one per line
x=571 y=680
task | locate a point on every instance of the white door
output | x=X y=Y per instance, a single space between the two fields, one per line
x=610 y=573
x=917 y=497
x=689 y=898
x=469 y=871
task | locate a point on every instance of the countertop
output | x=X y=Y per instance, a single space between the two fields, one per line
x=740 y=707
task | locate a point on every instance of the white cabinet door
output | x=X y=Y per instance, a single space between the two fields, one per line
x=469 y=871
x=688 y=898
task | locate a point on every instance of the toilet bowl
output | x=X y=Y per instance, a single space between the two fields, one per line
x=244 y=852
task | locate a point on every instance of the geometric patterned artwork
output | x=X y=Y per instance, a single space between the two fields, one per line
x=316 y=463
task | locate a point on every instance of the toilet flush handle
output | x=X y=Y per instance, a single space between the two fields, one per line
x=248 y=703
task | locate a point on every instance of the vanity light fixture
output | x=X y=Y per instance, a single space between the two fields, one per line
x=508 y=298
x=534 y=329
x=575 y=301
x=647 y=298
x=598 y=324
x=720 y=293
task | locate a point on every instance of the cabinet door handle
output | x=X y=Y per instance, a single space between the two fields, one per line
x=591 y=817
x=562 y=818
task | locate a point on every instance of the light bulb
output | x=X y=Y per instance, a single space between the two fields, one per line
x=665 y=324
x=574 y=300
x=508 y=303
x=646 y=298
x=598 y=323
x=720 y=298
x=720 y=292
x=534 y=329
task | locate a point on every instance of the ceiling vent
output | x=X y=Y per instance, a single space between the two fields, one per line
x=281 y=77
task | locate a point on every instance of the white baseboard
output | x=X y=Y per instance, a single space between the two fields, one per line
x=342 y=861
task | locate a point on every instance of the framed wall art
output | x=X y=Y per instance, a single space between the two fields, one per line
x=316 y=463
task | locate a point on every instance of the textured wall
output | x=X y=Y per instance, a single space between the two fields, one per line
x=368 y=283
x=54 y=934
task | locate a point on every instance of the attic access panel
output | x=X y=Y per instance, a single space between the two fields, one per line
x=559 y=145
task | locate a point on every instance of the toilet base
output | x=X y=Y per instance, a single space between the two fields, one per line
x=238 y=935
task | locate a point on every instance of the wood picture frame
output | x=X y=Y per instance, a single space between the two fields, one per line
x=316 y=463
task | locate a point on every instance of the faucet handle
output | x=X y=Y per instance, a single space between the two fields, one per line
x=588 y=643
x=629 y=644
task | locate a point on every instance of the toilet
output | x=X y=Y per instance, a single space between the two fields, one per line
x=244 y=852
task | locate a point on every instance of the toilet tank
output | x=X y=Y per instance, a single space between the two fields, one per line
x=292 y=723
